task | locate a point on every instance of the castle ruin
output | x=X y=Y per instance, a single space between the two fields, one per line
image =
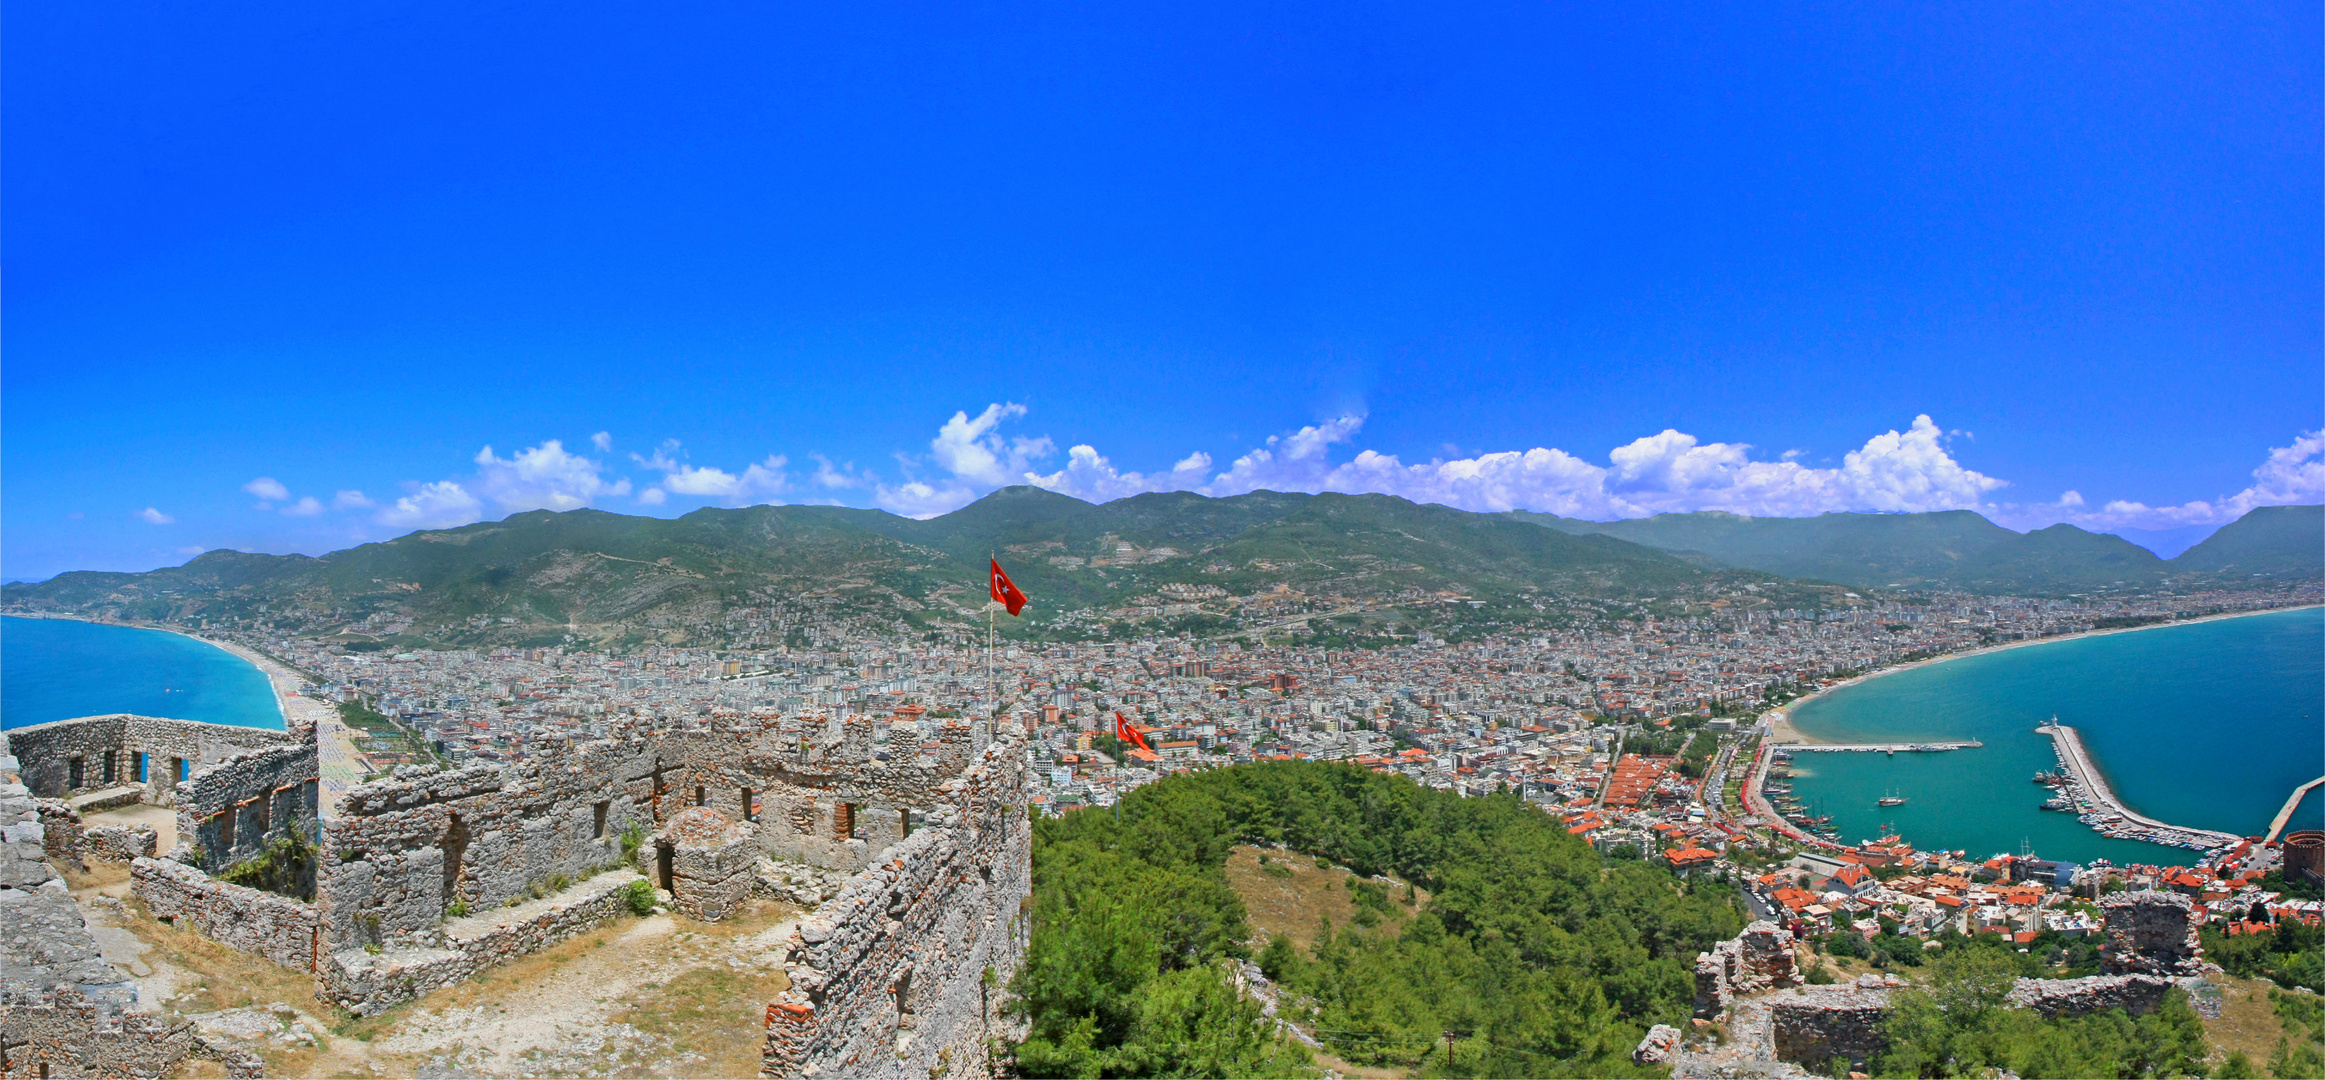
x=914 y=857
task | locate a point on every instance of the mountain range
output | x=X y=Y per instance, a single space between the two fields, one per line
x=1960 y=550
x=1370 y=561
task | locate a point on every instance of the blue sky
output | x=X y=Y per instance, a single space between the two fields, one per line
x=1602 y=260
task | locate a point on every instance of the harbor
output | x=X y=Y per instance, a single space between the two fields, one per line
x=2083 y=791
x=1883 y=748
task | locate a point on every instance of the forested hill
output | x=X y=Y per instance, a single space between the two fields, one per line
x=538 y=577
x=1547 y=959
x=1958 y=549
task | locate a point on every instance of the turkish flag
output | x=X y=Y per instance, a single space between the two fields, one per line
x=1005 y=591
x=1128 y=734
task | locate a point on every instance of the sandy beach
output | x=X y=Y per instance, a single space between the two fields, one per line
x=1781 y=729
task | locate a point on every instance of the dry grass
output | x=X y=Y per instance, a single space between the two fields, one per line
x=714 y=1018
x=2248 y=1022
x=1288 y=894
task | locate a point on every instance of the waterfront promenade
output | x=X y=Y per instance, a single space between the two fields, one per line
x=1882 y=748
x=2089 y=790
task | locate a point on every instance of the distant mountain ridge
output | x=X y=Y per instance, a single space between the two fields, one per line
x=537 y=577
x=1958 y=549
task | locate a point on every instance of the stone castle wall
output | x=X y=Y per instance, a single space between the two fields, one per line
x=369 y=983
x=1814 y=1025
x=1756 y=960
x=903 y=971
x=276 y=927
x=2150 y=933
x=2134 y=994
x=48 y=752
x=234 y=809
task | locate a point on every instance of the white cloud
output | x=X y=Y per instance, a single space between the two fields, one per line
x=307 y=506
x=151 y=516
x=1089 y=476
x=441 y=505
x=653 y=496
x=193 y=549
x=969 y=449
x=1666 y=472
x=603 y=440
x=267 y=487
x=758 y=483
x=543 y=477
x=350 y=500
x=919 y=499
x=827 y=475
x=2292 y=475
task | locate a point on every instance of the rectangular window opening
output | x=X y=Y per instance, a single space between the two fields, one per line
x=111 y=757
x=598 y=811
x=701 y=796
x=140 y=766
x=73 y=773
x=750 y=806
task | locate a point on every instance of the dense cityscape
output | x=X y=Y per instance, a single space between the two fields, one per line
x=1638 y=734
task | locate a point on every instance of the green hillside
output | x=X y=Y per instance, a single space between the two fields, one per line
x=2272 y=541
x=1958 y=549
x=1366 y=566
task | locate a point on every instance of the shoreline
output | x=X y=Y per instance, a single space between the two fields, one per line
x=292 y=709
x=1782 y=730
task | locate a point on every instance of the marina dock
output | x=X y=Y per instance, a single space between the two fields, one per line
x=2098 y=807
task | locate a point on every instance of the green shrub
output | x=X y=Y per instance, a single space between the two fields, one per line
x=640 y=896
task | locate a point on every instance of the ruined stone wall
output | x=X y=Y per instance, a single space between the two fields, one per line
x=369 y=983
x=276 y=927
x=234 y=809
x=118 y=843
x=903 y=971
x=2134 y=994
x=1813 y=1026
x=47 y=752
x=400 y=852
x=2150 y=933
x=61 y=829
x=1758 y=959
x=62 y=1032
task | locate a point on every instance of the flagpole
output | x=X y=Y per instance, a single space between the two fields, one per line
x=992 y=682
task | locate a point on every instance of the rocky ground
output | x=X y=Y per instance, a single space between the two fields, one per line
x=657 y=996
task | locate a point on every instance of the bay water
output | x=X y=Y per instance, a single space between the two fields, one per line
x=57 y=669
x=2208 y=724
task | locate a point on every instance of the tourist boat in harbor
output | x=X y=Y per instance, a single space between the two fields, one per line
x=1892 y=799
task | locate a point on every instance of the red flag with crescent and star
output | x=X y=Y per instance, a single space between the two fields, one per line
x=1129 y=734
x=1005 y=591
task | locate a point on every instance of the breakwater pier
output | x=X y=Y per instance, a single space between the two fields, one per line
x=2097 y=805
x=1882 y=748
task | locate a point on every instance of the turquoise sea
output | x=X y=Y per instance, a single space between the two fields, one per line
x=2207 y=724
x=57 y=669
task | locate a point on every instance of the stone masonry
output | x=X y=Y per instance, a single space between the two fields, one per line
x=1813 y=1025
x=921 y=862
x=1756 y=960
x=2134 y=994
x=902 y=972
x=2150 y=933
x=64 y=1011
